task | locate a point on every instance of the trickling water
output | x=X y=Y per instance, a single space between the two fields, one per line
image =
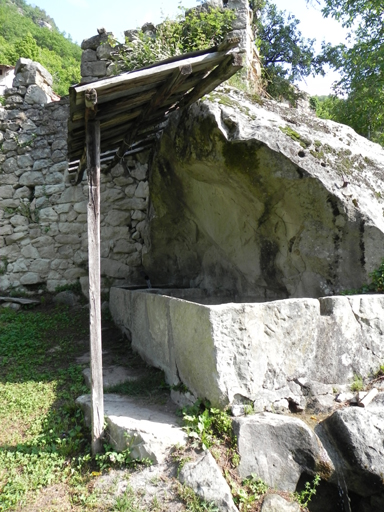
x=343 y=491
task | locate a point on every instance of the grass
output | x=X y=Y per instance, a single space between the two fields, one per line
x=43 y=440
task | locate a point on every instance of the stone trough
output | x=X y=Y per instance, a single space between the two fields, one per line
x=268 y=353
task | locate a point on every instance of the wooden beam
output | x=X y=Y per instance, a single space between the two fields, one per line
x=169 y=86
x=227 y=68
x=93 y=213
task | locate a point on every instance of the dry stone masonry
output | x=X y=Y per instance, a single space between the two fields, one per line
x=43 y=220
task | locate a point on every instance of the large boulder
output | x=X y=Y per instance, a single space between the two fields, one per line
x=280 y=352
x=264 y=200
x=356 y=446
x=278 y=449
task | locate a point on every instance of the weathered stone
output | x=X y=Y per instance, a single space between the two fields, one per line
x=88 y=56
x=302 y=341
x=31 y=178
x=72 y=274
x=59 y=144
x=59 y=167
x=140 y=171
x=6 y=192
x=275 y=503
x=114 y=268
x=305 y=243
x=114 y=375
x=104 y=51
x=93 y=42
x=117 y=218
x=35 y=94
x=19 y=220
x=49 y=190
x=278 y=449
x=94 y=69
x=147 y=431
x=124 y=246
x=67 y=298
x=9 y=145
x=204 y=476
x=30 y=252
x=10 y=165
x=41 y=267
x=136 y=203
x=53 y=178
x=356 y=435
x=24 y=161
x=142 y=189
x=31 y=278
x=28 y=72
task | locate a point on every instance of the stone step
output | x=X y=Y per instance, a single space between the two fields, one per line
x=148 y=430
x=114 y=375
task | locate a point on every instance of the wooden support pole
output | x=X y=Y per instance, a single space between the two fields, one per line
x=93 y=167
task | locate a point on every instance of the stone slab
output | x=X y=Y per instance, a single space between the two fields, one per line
x=147 y=431
x=114 y=375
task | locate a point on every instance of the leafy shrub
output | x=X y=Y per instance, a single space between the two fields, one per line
x=197 y=30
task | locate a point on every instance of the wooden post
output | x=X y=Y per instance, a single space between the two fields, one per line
x=93 y=167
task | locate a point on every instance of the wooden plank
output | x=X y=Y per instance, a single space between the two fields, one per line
x=228 y=68
x=93 y=217
x=178 y=76
x=367 y=399
x=139 y=77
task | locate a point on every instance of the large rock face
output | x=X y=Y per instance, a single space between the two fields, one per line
x=268 y=202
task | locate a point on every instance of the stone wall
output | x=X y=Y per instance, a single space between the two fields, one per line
x=43 y=219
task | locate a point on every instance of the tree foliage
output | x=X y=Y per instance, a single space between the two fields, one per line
x=286 y=56
x=21 y=36
x=360 y=63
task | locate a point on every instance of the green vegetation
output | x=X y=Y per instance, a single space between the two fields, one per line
x=358 y=95
x=375 y=286
x=252 y=489
x=43 y=439
x=208 y=426
x=193 y=502
x=21 y=36
x=286 y=56
x=357 y=384
x=191 y=31
x=304 y=143
x=309 y=491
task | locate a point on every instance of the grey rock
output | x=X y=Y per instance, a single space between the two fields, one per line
x=94 y=69
x=104 y=51
x=113 y=268
x=31 y=178
x=88 y=56
x=356 y=436
x=275 y=503
x=303 y=342
x=6 y=192
x=66 y=298
x=295 y=257
x=114 y=375
x=149 y=432
x=36 y=94
x=93 y=42
x=31 y=278
x=278 y=449
x=204 y=476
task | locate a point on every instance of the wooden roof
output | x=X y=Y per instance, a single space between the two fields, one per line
x=133 y=106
